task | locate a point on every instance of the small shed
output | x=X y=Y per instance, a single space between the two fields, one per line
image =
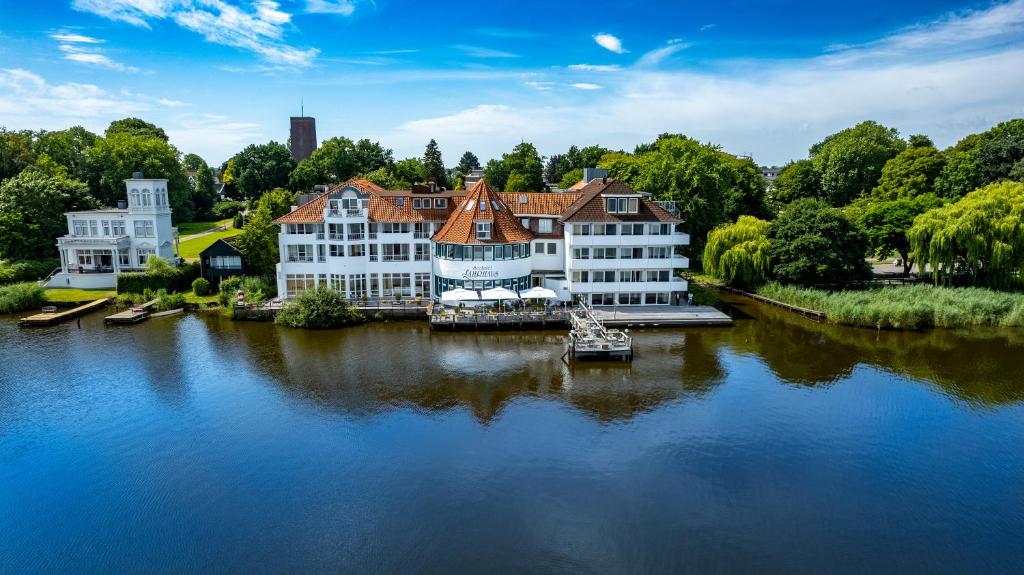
x=222 y=259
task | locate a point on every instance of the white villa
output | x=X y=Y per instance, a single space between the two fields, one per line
x=102 y=243
x=603 y=242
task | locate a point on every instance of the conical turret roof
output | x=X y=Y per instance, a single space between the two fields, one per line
x=482 y=204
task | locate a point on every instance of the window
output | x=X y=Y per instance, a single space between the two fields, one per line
x=337 y=251
x=422 y=284
x=321 y=255
x=416 y=203
x=581 y=277
x=374 y=285
x=483 y=205
x=440 y=203
x=399 y=201
x=605 y=253
x=81 y=227
x=85 y=258
x=496 y=205
x=300 y=253
x=422 y=253
x=658 y=253
x=525 y=222
x=602 y=299
x=483 y=230
x=357 y=283
x=117 y=227
x=373 y=254
x=124 y=259
x=106 y=227
x=338 y=284
x=336 y=232
x=134 y=197
x=622 y=205
x=581 y=229
x=298 y=283
x=606 y=229
x=581 y=253
x=606 y=276
x=657 y=275
x=661 y=229
x=226 y=262
x=143 y=254
x=395 y=252
x=143 y=228
x=355 y=231
x=394 y=228
x=544 y=226
x=421 y=230
x=552 y=248
x=635 y=253
x=629 y=299
x=147 y=198
x=632 y=229
x=631 y=276
x=396 y=284
x=357 y=250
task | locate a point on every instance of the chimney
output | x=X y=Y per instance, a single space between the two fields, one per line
x=122 y=204
x=591 y=174
x=137 y=175
x=432 y=185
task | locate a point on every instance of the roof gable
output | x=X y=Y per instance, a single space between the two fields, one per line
x=482 y=204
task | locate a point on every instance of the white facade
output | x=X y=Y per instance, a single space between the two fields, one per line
x=102 y=243
x=617 y=263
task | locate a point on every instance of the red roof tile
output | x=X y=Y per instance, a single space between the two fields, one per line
x=482 y=204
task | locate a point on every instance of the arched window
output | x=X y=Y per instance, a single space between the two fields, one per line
x=134 y=197
x=147 y=199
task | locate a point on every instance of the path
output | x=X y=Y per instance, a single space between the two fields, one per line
x=207 y=232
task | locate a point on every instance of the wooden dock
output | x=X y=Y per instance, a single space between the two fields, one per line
x=477 y=320
x=590 y=339
x=134 y=314
x=55 y=317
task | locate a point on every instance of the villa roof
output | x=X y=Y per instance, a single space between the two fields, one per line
x=590 y=206
x=482 y=204
x=387 y=209
x=311 y=212
x=539 y=203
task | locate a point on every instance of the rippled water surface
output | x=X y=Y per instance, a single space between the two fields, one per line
x=779 y=445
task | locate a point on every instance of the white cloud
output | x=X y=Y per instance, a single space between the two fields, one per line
x=659 y=55
x=707 y=27
x=75 y=38
x=26 y=98
x=481 y=52
x=610 y=42
x=212 y=136
x=595 y=67
x=339 y=7
x=586 y=86
x=537 y=85
x=258 y=29
x=167 y=103
x=98 y=60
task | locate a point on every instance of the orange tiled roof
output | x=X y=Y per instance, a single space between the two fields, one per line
x=461 y=225
x=590 y=206
x=539 y=203
x=311 y=212
x=386 y=209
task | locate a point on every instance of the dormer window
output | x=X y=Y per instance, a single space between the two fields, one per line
x=483 y=230
x=483 y=205
x=523 y=199
x=399 y=201
x=622 y=205
x=440 y=203
x=496 y=205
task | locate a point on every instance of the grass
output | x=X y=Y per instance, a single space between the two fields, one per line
x=189 y=249
x=191 y=297
x=907 y=307
x=189 y=228
x=20 y=297
x=73 y=295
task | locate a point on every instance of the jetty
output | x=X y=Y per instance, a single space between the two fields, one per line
x=134 y=314
x=590 y=339
x=50 y=315
x=662 y=316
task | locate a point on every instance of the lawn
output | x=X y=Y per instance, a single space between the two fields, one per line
x=189 y=228
x=191 y=297
x=70 y=294
x=189 y=249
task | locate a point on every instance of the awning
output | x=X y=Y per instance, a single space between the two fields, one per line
x=498 y=293
x=459 y=294
x=538 y=293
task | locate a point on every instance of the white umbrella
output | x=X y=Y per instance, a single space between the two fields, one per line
x=498 y=293
x=538 y=293
x=459 y=294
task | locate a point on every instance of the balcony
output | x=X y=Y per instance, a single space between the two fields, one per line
x=395 y=258
x=421 y=235
x=319 y=235
x=306 y=259
x=71 y=240
x=356 y=236
x=336 y=237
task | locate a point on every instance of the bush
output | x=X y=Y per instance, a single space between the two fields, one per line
x=201 y=287
x=176 y=280
x=238 y=221
x=166 y=301
x=318 y=308
x=28 y=270
x=20 y=297
x=227 y=209
x=256 y=289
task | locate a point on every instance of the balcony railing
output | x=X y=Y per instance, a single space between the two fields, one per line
x=396 y=257
x=356 y=236
x=373 y=257
x=421 y=235
x=336 y=237
x=300 y=258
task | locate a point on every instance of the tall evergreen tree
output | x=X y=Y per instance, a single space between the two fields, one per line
x=433 y=165
x=467 y=164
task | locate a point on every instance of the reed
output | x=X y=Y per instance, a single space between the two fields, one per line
x=22 y=296
x=907 y=307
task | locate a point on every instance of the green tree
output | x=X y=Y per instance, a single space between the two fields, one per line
x=262 y=167
x=433 y=165
x=850 y=162
x=886 y=222
x=812 y=244
x=1000 y=149
x=910 y=173
x=552 y=171
x=571 y=178
x=68 y=148
x=32 y=206
x=516 y=183
x=135 y=127
x=204 y=194
x=747 y=191
x=339 y=159
x=920 y=141
x=523 y=159
x=982 y=234
x=278 y=201
x=467 y=163
x=258 y=241
x=318 y=308
x=796 y=180
x=115 y=158
x=15 y=152
x=738 y=253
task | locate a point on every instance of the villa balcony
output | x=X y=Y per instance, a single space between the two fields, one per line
x=87 y=241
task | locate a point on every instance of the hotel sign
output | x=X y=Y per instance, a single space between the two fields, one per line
x=480 y=273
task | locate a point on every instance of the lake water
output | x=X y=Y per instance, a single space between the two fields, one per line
x=194 y=443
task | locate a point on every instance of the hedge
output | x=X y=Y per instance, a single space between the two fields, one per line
x=179 y=280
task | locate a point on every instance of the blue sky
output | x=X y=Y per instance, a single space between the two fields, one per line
x=766 y=78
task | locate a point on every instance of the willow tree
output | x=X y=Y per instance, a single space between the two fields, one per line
x=982 y=234
x=738 y=253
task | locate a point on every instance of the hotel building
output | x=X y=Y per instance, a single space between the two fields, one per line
x=604 y=242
